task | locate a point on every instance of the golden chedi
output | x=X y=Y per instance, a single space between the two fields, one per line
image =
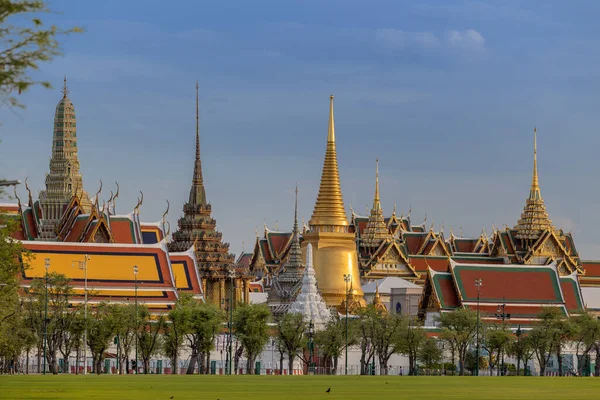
x=334 y=248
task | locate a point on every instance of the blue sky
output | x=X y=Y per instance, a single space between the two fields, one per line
x=446 y=94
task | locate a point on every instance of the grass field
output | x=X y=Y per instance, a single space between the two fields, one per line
x=294 y=387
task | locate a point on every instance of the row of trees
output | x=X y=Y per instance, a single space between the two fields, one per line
x=545 y=339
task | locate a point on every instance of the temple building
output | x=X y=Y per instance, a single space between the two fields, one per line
x=109 y=257
x=309 y=302
x=64 y=179
x=335 y=257
x=287 y=281
x=395 y=246
x=197 y=228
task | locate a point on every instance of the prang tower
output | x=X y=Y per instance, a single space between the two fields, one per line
x=64 y=179
x=334 y=247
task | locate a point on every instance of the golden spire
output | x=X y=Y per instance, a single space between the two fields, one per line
x=376 y=229
x=329 y=208
x=534 y=219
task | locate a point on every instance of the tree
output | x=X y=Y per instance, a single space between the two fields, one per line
x=498 y=341
x=430 y=353
x=149 y=339
x=55 y=289
x=25 y=42
x=332 y=341
x=202 y=323
x=128 y=321
x=72 y=336
x=290 y=332
x=458 y=329
x=102 y=327
x=586 y=334
x=365 y=327
x=388 y=338
x=412 y=339
x=176 y=330
x=250 y=323
x=521 y=349
x=10 y=252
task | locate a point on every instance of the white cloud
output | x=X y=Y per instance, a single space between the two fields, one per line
x=466 y=39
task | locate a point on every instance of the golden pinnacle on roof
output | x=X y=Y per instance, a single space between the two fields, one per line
x=65 y=89
x=534 y=219
x=197 y=192
x=329 y=209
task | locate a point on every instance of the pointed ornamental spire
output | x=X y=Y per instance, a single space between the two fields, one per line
x=534 y=219
x=376 y=229
x=197 y=192
x=294 y=260
x=329 y=209
x=65 y=89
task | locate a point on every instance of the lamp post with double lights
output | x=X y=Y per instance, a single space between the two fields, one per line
x=502 y=315
x=135 y=273
x=478 y=284
x=83 y=266
x=46 y=266
x=347 y=280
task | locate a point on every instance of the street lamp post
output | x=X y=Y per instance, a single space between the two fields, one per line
x=501 y=314
x=347 y=280
x=519 y=333
x=311 y=331
x=135 y=273
x=478 y=284
x=83 y=266
x=230 y=348
x=46 y=265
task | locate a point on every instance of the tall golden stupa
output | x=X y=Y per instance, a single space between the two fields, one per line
x=334 y=247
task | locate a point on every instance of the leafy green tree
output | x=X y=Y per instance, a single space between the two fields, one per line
x=498 y=342
x=102 y=327
x=412 y=339
x=25 y=42
x=586 y=335
x=365 y=327
x=251 y=329
x=128 y=322
x=458 y=329
x=202 y=323
x=57 y=292
x=72 y=336
x=177 y=327
x=149 y=339
x=389 y=338
x=290 y=332
x=332 y=341
x=429 y=353
x=10 y=252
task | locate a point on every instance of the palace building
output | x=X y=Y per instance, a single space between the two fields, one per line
x=394 y=246
x=114 y=257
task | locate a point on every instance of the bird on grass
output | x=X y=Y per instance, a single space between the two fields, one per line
x=328 y=390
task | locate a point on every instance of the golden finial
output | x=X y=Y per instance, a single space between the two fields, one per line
x=535 y=179
x=65 y=89
x=139 y=203
x=424 y=220
x=451 y=233
x=276 y=225
x=168 y=229
x=243 y=247
x=461 y=232
x=331 y=130
x=377 y=179
x=410 y=210
x=98 y=194
x=164 y=216
x=17 y=197
x=256 y=232
x=394 y=211
x=115 y=198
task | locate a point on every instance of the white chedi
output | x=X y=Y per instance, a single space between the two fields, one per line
x=309 y=302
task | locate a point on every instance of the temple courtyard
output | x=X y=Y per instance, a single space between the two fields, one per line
x=293 y=387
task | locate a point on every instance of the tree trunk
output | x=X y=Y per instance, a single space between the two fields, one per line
x=146 y=365
x=193 y=361
x=291 y=363
x=281 y=364
x=208 y=362
x=597 y=367
x=127 y=365
x=461 y=363
x=335 y=365
x=559 y=360
x=201 y=359
x=249 y=365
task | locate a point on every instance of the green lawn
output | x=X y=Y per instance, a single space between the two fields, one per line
x=294 y=387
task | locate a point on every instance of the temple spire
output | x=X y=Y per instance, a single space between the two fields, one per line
x=294 y=261
x=329 y=209
x=65 y=89
x=376 y=229
x=197 y=192
x=534 y=219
